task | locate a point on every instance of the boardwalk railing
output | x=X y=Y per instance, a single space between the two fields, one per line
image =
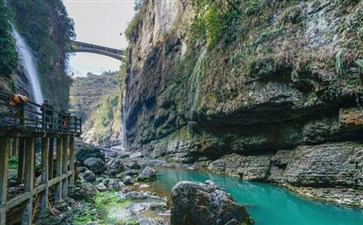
x=25 y=125
x=32 y=117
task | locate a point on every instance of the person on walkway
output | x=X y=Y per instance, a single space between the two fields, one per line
x=67 y=121
x=62 y=120
x=18 y=101
x=48 y=110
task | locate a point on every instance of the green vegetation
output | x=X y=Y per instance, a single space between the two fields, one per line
x=99 y=211
x=244 y=43
x=213 y=20
x=97 y=99
x=105 y=118
x=13 y=162
x=48 y=29
x=8 y=54
x=132 y=29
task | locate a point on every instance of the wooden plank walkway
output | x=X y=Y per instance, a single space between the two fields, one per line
x=21 y=128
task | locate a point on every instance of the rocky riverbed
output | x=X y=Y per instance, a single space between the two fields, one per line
x=113 y=188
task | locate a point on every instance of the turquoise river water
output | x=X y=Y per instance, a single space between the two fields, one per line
x=266 y=203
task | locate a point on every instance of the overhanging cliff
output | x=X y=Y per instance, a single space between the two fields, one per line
x=273 y=75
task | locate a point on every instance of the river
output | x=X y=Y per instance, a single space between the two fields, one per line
x=266 y=203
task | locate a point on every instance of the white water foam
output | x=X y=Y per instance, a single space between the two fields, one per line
x=27 y=60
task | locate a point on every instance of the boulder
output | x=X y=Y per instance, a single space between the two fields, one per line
x=115 y=166
x=81 y=169
x=113 y=185
x=112 y=154
x=89 y=176
x=132 y=172
x=132 y=165
x=101 y=187
x=135 y=195
x=85 y=191
x=148 y=174
x=95 y=164
x=128 y=180
x=144 y=186
x=136 y=155
x=88 y=151
x=195 y=203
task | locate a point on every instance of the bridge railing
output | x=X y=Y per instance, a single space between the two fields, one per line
x=35 y=117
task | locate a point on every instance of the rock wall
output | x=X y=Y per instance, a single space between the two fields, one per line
x=46 y=27
x=276 y=98
x=325 y=165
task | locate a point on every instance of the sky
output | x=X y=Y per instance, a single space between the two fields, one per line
x=98 y=22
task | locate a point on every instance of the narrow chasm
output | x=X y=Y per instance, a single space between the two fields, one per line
x=188 y=112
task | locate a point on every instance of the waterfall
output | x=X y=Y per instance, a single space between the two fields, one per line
x=194 y=80
x=27 y=60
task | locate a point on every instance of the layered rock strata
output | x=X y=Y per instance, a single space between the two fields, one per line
x=276 y=98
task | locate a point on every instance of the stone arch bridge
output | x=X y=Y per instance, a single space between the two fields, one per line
x=78 y=46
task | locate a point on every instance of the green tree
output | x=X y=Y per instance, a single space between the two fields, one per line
x=8 y=54
x=48 y=30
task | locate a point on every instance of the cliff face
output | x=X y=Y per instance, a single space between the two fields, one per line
x=8 y=54
x=274 y=75
x=47 y=28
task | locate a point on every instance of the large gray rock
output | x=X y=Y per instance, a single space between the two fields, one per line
x=326 y=165
x=101 y=187
x=86 y=151
x=128 y=180
x=95 y=164
x=246 y=167
x=148 y=174
x=115 y=166
x=85 y=191
x=136 y=155
x=195 y=203
x=114 y=184
x=88 y=176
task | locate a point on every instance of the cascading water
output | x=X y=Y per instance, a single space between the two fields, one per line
x=27 y=60
x=194 y=80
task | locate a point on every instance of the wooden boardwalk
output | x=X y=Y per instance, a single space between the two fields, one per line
x=25 y=131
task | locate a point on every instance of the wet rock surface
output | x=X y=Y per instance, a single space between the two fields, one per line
x=196 y=203
x=327 y=165
x=334 y=166
x=342 y=196
x=148 y=174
